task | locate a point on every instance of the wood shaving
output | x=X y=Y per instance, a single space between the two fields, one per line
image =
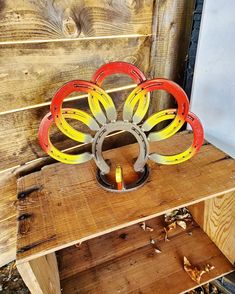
x=149 y=229
x=194 y=272
x=145 y=228
x=152 y=241
x=169 y=228
x=157 y=250
x=182 y=224
x=78 y=245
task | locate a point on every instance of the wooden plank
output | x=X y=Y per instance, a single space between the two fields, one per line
x=7 y=218
x=19 y=132
x=142 y=271
x=197 y=210
x=74 y=259
x=41 y=275
x=219 y=223
x=217 y=218
x=65 y=212
x=30 y=20
x=32 y=73
x=171 y=36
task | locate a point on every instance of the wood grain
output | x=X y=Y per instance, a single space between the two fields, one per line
x=219 y=223
x=45 y=20
x=7 y=218
x=75 y=259
x=171 y=36
x=63 y=213
x=142 y=271
x=41 y=275
x=217 y=218
x=32 y=73
x=19 y=132
x=197 y=210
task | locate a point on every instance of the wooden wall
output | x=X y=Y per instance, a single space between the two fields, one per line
x=43 y=44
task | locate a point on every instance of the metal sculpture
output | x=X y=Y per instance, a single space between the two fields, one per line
x=105 y=122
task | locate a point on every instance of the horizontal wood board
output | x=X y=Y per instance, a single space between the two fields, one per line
x=143 y=271
x=70 y=207
x=19 y=131
x=91 y=253
x=46 y=20
x=32 y=73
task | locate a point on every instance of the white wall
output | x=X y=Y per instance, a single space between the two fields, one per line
x=213 y=92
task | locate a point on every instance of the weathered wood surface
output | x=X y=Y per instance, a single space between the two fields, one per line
x=75 y=259
x=7 y=218
x=143 y=271
x=59 y=218
x=217 y=218
x=41 y=275
x=45 y=20
x=171 y=35
x=8 y=200
x=19 y=131
x=32 y=73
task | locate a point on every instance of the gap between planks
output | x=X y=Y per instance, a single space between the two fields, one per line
x=16 y=170
x=75 y=39
x=131 y=86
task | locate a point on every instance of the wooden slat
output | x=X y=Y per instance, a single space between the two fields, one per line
x=41 y=275
x=19 y=131
x=74 y=259
x=7 y=218
x=171 y=36
x=217 y=218
x=33 y=20
x=142 y=271
x=32 y=73
x=70 y=206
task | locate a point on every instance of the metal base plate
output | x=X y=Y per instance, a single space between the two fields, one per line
x=112 y=187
